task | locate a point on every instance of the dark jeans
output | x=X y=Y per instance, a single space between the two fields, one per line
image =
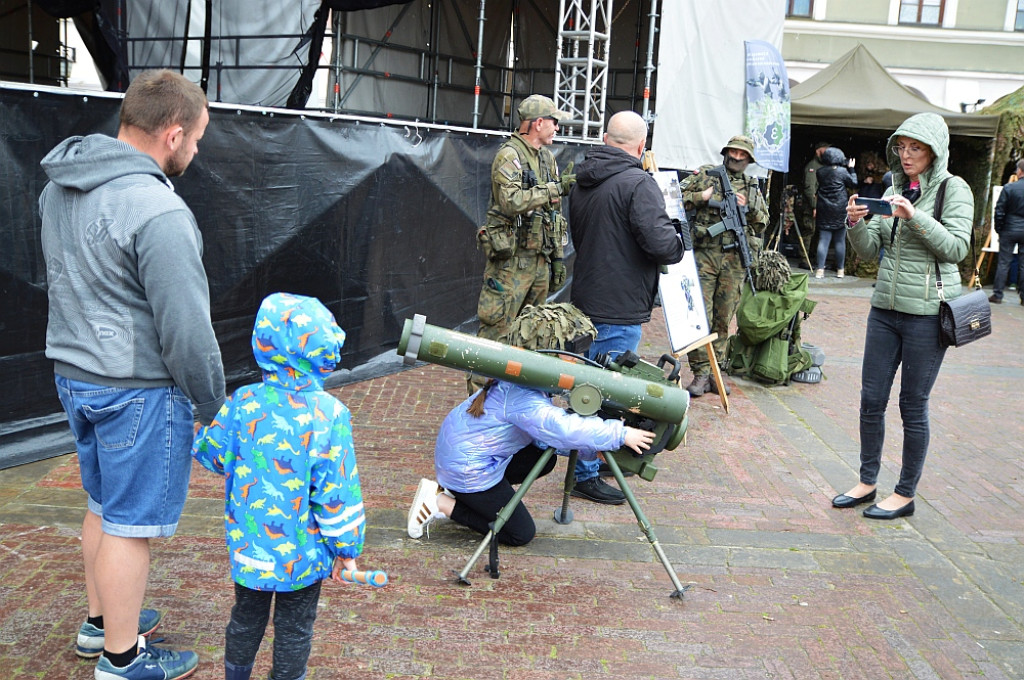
x=477 y=510
x=294 y=614
x=1007 y=242
x=837 y=237
x=892 y=339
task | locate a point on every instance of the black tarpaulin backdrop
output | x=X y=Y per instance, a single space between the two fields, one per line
x=377 y=220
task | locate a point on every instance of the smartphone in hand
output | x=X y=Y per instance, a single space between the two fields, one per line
x=876 y=206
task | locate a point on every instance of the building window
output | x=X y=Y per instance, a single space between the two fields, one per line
x=1018 y=24
x=801 y=8
x=926 y=12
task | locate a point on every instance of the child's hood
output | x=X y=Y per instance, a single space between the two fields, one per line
x=296 y=341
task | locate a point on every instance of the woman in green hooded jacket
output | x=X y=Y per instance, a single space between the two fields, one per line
x=903 y=324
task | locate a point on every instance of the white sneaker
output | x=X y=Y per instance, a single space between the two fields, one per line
x=424 y=508
x=840 y=273
x=819 y=274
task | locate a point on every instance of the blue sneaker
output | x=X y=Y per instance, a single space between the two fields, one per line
x=152 y=663
x=90 y=638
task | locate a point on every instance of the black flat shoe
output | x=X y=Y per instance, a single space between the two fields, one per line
x=844 y=501
x=875 y=512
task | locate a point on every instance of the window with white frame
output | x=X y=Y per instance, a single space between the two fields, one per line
x=924 y=12
x=1018 y=23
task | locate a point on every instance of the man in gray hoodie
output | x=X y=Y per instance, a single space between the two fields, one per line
x=134 y=350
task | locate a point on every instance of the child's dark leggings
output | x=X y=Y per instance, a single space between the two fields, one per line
x=294 y=614
x=478 y=510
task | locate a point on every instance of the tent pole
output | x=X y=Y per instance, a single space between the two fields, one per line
x=649 y=69
x=479 y=63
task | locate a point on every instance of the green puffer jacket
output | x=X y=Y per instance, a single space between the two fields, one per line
x=906 y=275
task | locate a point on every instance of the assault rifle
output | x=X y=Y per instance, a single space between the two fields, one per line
x=734 y=219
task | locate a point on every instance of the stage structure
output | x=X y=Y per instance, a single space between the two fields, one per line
x=581 y=76
x=326 y=200
x=449 y=62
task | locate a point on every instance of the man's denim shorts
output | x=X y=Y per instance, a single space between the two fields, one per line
x=134 y=451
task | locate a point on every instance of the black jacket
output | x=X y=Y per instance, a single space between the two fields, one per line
x=1009 y=215
x=833 y=182
x=621 y=233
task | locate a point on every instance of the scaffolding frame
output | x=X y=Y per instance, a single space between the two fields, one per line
x=581 y=72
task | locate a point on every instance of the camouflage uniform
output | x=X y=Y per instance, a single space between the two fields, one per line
x=720 y=272
x=810 y=191
x=524 y=231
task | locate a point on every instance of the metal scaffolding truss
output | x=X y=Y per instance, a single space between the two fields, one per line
x=581 y=73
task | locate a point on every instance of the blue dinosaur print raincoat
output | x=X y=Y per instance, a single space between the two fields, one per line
x=293 y=502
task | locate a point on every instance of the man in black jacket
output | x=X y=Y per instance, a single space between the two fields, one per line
x=1009 y=224
x=622 y=235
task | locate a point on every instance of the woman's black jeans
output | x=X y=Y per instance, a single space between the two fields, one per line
x=478 y=510
x=294 y=614
x=892 y=339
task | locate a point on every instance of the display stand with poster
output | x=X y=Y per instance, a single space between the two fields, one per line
x=681 y=298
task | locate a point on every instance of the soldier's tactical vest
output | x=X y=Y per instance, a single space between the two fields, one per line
x=540 y=230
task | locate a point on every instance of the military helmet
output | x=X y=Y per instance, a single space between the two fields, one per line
x=538 y=106
x=741 y=143
x=550 y=326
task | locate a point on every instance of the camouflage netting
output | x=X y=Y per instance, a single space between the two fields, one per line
x=549 y=326
x=771 y=271
x=1010 y=136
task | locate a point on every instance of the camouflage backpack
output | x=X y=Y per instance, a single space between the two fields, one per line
x=549 y=326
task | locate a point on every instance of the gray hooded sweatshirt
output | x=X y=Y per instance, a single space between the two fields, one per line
x=906 y=275
x=129 y=299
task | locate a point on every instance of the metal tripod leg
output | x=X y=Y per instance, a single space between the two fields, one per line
x=563 y=514
x=502 y=518
x=803 y=249
x=645 y=526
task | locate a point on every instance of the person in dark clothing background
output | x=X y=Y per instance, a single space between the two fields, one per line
x=1009 y=224
x=622 y=235
x=830 y=208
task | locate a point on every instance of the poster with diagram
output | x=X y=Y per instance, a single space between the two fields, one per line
x=681 y=298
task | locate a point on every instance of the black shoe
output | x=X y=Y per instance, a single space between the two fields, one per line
x=844 y=501
x=875 y=512
x=996 y=299
x=604 y=471
x=599 y=491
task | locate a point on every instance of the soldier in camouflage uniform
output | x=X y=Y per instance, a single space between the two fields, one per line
x=720 y=272
x=524 y=234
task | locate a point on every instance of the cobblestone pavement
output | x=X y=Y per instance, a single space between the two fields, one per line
x=783 y=586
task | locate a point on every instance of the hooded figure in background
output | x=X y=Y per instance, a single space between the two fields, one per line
x=834 y=179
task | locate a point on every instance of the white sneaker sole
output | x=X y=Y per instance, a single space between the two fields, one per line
x=424 y=506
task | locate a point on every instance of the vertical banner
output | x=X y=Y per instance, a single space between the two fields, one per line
x=768 y=110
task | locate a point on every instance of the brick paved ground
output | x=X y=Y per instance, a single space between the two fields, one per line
x=783 y=586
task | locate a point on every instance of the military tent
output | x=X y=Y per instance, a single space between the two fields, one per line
x=855 y=104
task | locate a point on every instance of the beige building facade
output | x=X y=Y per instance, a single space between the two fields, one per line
x=958 y=54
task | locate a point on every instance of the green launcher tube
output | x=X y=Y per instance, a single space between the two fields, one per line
x=589 y=387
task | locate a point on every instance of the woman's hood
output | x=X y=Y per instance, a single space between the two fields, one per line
x=928 y=128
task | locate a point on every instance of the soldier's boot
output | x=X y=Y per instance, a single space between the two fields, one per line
x=699 y=385
x=713 y=386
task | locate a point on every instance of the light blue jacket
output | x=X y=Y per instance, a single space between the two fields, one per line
x=472 y=453
x=293 y=502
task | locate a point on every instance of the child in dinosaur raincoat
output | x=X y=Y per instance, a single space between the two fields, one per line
x=293 y=503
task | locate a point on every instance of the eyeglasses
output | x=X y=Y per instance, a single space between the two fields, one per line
x=908 y=150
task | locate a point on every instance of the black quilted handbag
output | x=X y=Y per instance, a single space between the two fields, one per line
x=968 y=317
x=964 y=319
